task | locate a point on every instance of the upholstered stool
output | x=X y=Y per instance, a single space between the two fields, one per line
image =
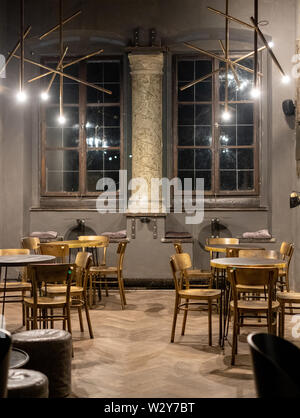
x=50 y=352
x=23 y=383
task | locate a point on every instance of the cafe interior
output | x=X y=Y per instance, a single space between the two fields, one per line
x=149 y=210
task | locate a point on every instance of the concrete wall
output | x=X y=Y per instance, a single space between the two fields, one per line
x=110 y=24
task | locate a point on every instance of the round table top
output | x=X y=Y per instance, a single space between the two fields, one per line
x=75 y=243
x=221 y=248
x=18 y=358
x=223 y=263
x=24 y=260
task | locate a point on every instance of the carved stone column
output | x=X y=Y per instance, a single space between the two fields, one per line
x=146 y=73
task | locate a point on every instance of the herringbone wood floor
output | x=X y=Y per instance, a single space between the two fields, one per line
x=131 y=355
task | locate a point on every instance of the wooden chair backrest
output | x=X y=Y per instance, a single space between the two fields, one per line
x=271 y=254
x=286 y=250
x=251 y=253
x=60 y=251
x=180 y=263
x=15 y=251
x=103 y=240
x=83 y=262
x=44 y=274
x=222 y=241
x=178 y=248
x=121 y=252
x=31 y=243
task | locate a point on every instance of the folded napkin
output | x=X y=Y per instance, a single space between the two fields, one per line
x=44 y=235
x=116 y=235
x=182 y=235
x=262 y=234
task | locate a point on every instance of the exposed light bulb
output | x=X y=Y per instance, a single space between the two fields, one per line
x=285 y=79
x=44 y=96
x=226 y=116
x=61 y=120
x=271 y=44
x=21 y=96
x=255 y=93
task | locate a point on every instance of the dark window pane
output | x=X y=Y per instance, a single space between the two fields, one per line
x=227 y=159
x=186 y=115
x=73 y=70
x=245 y=114
x=228 y=180
x=203 y=67
x=111 y=72
x=203 y=92
x=111 y=116
x=112 y=137
x=54 y=181
x=94 y=160
x=71 y=181
x=186 y=135
x=186 y=159
x=71 y=93
x=58 y=160
x=186 y=95
x=92 y=178
x=203 y=136
x=112 y=160
x=245 y=159
x=206 y=175
x=54 y=137
x=115 y=96
x=94 y=117
x=95 y=72
x=94 y=96
x=114 y=175
x=186 y=71
x=186 y=175
x=203 y=158
x=227 y=135
x=203 y=115
x=246 y=181
x=245 y=135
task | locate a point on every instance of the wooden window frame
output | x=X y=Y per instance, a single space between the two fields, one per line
x=82 y=146
x=215 y=146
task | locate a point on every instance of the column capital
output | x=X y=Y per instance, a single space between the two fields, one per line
x=147 y=64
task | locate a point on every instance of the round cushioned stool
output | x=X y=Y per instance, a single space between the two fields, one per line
x=50 y=352
x=23 y=383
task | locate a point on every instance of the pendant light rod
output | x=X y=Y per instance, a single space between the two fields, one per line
x=255 y=44
x=61 y=46
x=57 y=26
x=22 y=45
x=226 y=55
x=57 y=67
x=11 y=54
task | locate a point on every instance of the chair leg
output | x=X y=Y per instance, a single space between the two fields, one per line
x=52 y=321
x=27 y=318
x=88 y=319
x=282 y=319
x=91 y=290
x=80 y=319
x=106 y=288
x=23 y=308
x=177 y=301
x=184 y=318
x=234 y=338
x=209 y=323
x=121 y=291
x=69 y=319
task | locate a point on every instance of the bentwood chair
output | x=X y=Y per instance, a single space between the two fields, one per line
x=286 y=253
x=179 y=264
x=60 y=251
x=205 y=277
x=102 y=242
x=245 y=309
x=78 y=289
x=276 y=366
x=103 y=275
x=13 y=286
x=32 y=244
x=39 y=308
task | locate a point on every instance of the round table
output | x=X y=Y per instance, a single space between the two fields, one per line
x=223 y=263
x=19 y=261
x=222 y=248
x=18 y=358
x=75 y=243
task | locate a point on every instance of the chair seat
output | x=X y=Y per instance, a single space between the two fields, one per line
x=254 y=305
x=103 y=269
x=198 y=274
x=292 y=297
x=44 y=301
x=200 y=294
x=15 y=286
x=61 y=290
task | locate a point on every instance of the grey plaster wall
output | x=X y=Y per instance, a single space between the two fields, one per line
x=110 y=24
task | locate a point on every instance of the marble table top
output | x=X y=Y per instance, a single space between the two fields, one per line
x=24 y=260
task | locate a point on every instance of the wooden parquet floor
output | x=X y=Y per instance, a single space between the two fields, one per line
x=131 y=355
